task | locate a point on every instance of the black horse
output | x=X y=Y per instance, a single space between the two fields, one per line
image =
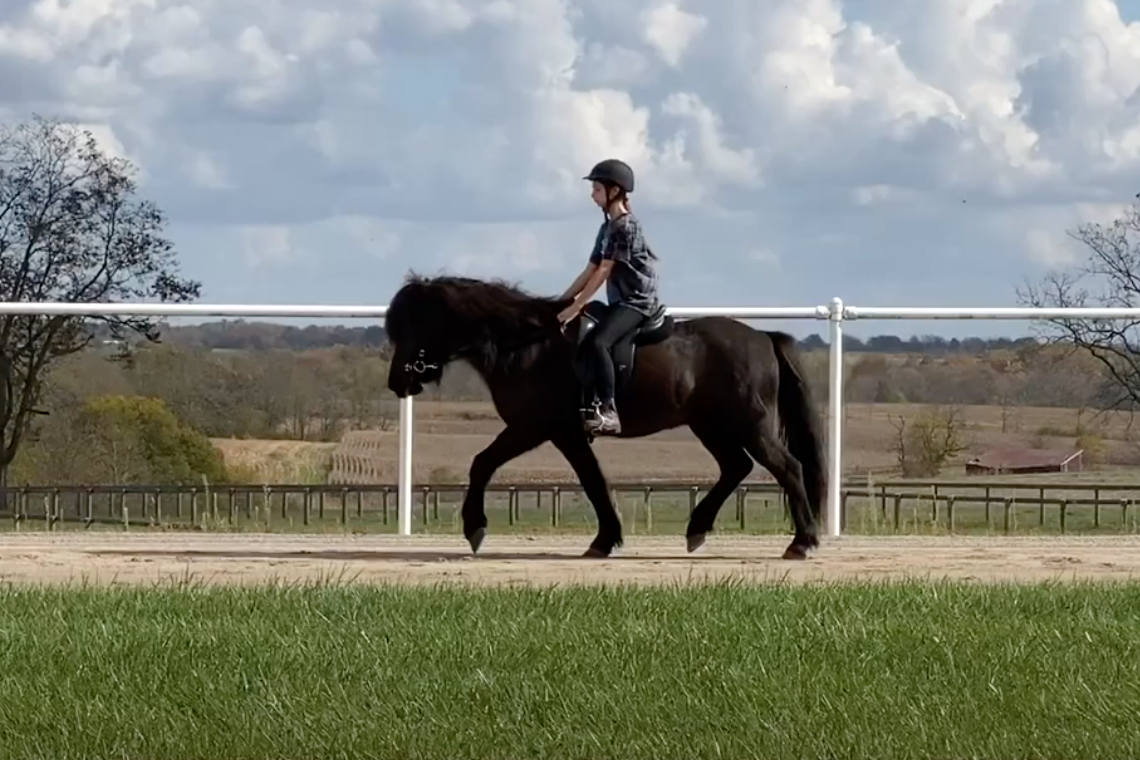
x=736 y=388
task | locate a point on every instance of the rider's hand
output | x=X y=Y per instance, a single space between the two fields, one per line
x=568 y=314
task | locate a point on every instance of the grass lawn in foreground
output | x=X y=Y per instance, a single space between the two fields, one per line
x=902 y=670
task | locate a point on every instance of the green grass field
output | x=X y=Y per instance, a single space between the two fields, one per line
x=729 y=671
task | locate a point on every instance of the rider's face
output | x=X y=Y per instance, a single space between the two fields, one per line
x=598 y=194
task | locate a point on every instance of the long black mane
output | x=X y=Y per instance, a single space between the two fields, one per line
x=501 y=322
x=505 y=303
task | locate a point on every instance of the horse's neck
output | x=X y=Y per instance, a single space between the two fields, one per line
x=504 y=358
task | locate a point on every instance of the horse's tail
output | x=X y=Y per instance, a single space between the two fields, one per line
x=799 y=421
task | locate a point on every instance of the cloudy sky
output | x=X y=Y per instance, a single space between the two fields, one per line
x=888 y=152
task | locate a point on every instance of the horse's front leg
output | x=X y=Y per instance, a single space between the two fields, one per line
x=513 y=441
x=576 y=448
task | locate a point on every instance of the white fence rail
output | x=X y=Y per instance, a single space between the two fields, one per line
x=835 y=313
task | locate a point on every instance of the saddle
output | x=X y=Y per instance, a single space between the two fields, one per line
x=656 y=328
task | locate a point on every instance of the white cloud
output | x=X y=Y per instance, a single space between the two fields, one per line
x=107 y=140
x=669 y=29
x=268 y=245
x=735 y=167
x=871 y=194
x=766 y=258
x=207 y=172
x=456 y=132
x=1051 y=249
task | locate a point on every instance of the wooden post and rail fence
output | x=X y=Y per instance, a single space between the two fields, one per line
x=898 y=506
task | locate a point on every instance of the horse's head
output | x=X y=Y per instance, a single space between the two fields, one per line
x=424 y=336
x=432 y=322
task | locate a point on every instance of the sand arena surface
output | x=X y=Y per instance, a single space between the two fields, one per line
x=232 y=558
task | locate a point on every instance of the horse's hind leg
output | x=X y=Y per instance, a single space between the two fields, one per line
x=735 y=464
x=513 y=441
x=772 y=454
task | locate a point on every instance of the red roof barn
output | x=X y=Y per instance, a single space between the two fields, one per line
x=1022 y=461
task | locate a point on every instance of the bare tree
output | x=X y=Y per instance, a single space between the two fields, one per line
x=1008 y=386
x=70 y=230
x=364 y=376
x=924 y=444
x=1108 y=277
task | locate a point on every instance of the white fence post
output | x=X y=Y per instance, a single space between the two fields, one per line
x=404 y=477
x=834 y=518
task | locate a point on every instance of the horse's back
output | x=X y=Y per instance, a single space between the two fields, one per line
x=708 y=368
x=723 y=334
x=714 y=352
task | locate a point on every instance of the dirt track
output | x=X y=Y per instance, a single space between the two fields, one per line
x=146 y=558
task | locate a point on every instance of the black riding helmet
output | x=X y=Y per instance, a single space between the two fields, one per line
x=612 y=171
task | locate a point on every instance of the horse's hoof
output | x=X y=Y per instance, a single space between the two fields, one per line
x=695 y=541
x=476 y=539
x=796 y=551
x=595 y=553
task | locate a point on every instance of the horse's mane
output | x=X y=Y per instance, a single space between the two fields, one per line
x=506 y=305
x=504 y=325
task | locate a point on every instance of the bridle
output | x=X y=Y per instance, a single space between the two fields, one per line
x=419 y=366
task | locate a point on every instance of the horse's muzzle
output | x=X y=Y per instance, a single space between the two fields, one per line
x=404 y=384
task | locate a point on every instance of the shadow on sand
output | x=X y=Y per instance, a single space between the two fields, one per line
x=381 y=555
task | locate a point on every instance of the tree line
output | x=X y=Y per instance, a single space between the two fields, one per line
x=319 y=394
x=246 y=335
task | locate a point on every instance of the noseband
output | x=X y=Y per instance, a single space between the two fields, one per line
x=419 y=366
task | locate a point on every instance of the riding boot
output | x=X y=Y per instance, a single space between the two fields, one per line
x=605 y=420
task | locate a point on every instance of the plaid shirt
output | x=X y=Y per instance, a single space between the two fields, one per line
x=633 y=281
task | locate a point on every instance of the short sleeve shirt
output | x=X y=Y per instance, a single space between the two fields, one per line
x=633 y=280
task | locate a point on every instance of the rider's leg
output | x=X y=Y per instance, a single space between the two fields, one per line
x=618 y=322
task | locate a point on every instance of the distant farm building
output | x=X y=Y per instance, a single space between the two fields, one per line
x=1026 y=461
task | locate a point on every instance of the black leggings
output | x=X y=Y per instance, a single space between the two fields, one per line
x=618 y=322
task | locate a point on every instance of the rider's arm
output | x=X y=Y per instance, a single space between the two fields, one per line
x=576 y=288
x=617 y=248
x=596 y=279
x=580 y=281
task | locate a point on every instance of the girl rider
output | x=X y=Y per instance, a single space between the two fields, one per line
x=623 y=260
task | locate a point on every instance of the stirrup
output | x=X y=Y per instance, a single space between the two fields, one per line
x=592 y=417
x=604 y=426
x=593 y=408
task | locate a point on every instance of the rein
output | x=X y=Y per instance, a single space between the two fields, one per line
x=422 y=365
